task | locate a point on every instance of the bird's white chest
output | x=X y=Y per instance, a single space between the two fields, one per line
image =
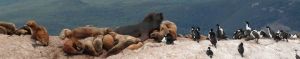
x=247 y=27
x=164 y=40
x=294 y=36
x=222 y=31
x=270 y=33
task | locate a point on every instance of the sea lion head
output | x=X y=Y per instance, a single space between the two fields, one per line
x=31 y=23
x=65 y=33
x=154 y=18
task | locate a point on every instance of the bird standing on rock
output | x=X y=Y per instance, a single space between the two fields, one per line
x=220 y=33
x=238 y=34
x=212 y=38
x=255 y=35
x=248 y=29
x=248 y=26
x=196 y=34
x=277 y=37
x=272 y=34
x=241 y=49
x=284 y=35
x=169 y=39
x=209 y=53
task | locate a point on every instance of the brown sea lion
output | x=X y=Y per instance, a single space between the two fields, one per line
x=73 y=47
x=39 y=33
x=123 y=42
x=165 y=28
x=93 y=45
x=65 y=33
x=83 y=32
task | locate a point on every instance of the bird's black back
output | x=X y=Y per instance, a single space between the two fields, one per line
x=209 y=53
x=277 y=37
x=238 y=34
x=195 y=33
x=241 y=49
x=256 y=35
x=264 y=34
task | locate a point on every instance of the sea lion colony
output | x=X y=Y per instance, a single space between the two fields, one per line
x=96 y=41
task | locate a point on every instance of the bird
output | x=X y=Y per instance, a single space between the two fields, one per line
x=254 y=34
x=284 y=35
x=196 y=34
x=193 y=32
x=238 y=34
x=248 y=29
x=209 y=53
x=241 y=49
x=212 y=38
x=294 y=36
x=220 y=33
x=263 y=34
x=169 y=39
x=272 y=34
x=247 y=26
x=277 y=37
x=164 y=39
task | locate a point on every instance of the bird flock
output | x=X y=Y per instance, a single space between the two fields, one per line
x=248 y=34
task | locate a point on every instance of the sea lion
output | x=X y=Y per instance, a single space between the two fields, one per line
x=92 y=45
x=39 y=33
x=10 y=28
x=83 y=32
x=73 y=47
x=3 y=30
x=123 y=41
x=135 y=46
x=65 y=33
x=166 y=27
x=143 y=29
